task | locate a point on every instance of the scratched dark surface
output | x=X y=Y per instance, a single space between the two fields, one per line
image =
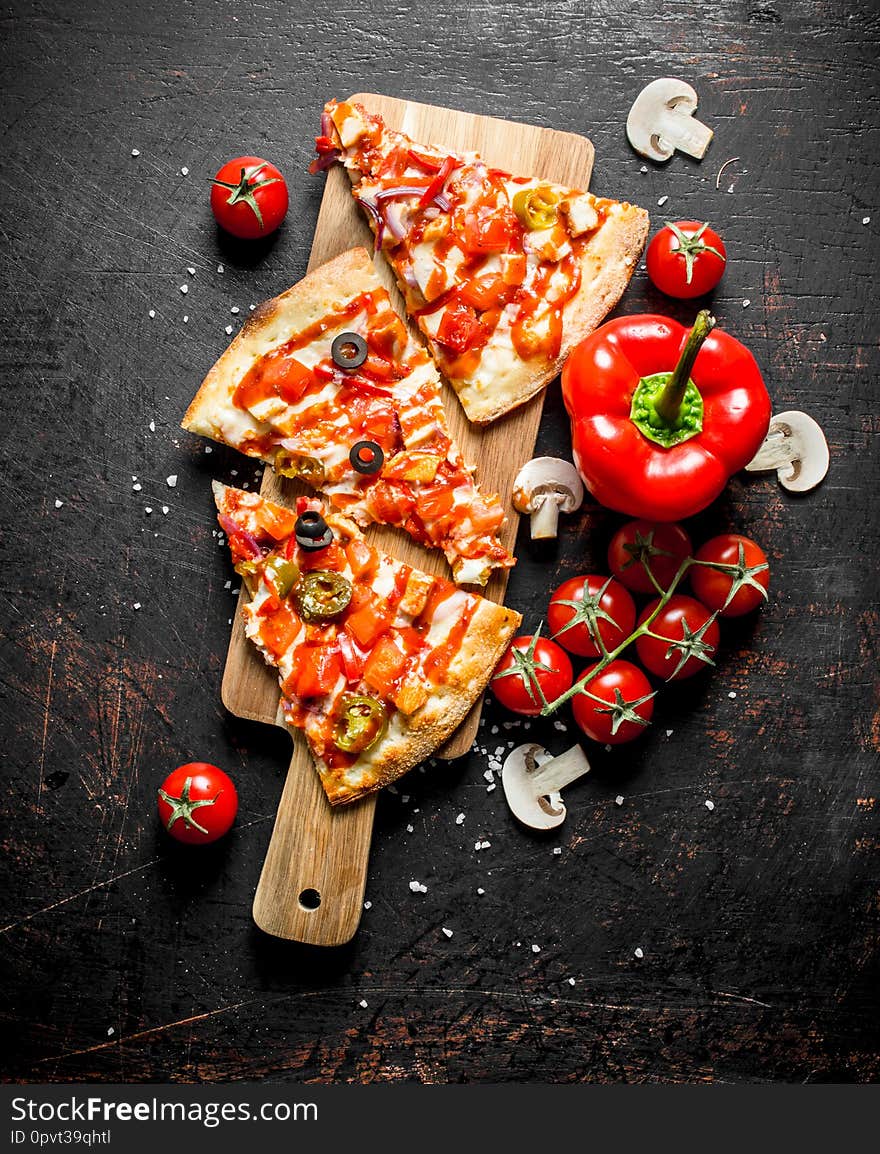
x=127 y=960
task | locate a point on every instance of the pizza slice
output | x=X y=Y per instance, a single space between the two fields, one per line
x=378 y=662
x=327 y=384
x=503 y=274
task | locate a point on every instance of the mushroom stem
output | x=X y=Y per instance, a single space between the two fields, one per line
x=555 y=775
x=545 y=517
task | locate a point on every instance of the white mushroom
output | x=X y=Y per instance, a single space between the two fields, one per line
x=661 y=120
x=545 y=487
x=532 y=780
x=796 y=448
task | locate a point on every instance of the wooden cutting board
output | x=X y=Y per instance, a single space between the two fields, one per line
x=312 y=885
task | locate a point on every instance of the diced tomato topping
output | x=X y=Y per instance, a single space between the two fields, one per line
x=485 y=518
x=333 y=557
x=459 y=328
x=278 y=523
x=274 y=375
x=435 y=501
x=489 y=228
x=367 y=624
x=361 y=557
x=384 y=666
x=316 y=670
x=352 y=658
x=484 y=292
x=390 y=502
x=279 y=630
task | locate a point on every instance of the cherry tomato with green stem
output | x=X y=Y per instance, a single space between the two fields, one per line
x=616 y=706
x=527 y=660
x=197 y=803
x=249 y=197
x=659 y=545
x=683 y=638
x=584 y=609
x=742 y=586
x=686 y=259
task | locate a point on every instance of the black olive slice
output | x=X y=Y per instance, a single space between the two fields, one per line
x=349 y=350
x=312 y=532
x=366 y=457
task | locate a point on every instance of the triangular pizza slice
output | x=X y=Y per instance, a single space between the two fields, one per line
x=327 y=384
x=503 y=274
x=378 y=662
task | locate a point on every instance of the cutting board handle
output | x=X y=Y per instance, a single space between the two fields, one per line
x=312 y=886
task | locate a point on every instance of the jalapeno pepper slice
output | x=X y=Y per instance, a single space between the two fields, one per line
x=536 y=208
x=290 y=464
x=282 y=574
x=321 y=595
x=359 y=722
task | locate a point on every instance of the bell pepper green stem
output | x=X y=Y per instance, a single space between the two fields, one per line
x=668 y=402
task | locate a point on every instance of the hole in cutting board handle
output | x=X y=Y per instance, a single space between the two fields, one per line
x=309 y=899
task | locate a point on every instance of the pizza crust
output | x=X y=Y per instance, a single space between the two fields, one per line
x=272 y=324
x=607 y=264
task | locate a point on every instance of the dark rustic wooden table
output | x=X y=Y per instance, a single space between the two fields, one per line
x=656 y=940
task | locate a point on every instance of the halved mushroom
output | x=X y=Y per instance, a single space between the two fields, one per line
x=661 y=120
x=796 y=448
x=545 y=487
x=532 y=779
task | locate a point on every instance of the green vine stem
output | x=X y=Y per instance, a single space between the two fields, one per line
x=644 y=629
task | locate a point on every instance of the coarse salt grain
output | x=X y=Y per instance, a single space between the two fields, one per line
x=58 y=503
x=184 y=171
x=191 y=270
x=669 y=732
x=866 y=220
x=135 y=152
x=136 y=488
x=363 y=1003
x=489 y=788
x=220 y=268
x=228 y=329
x=110 y=1031
x=536 y=949
x=639 y=952
x=252 y=307
x=732 y=694
x=152 y=313
x=208 y=449
x=560 y=725
x=571 y=981
x=185 y=319
x=165 y=510
x=235 y=310
x=557 y=849
x=447 y=932
x=480 y=890
x=746 y=303
x=136 y=605
x=148 y=509
x=409 y=829
x=171 y=481
x=662 y=200
x=644 y=168
x=184 y=288
x=459 y=819
x=418 y=888
x=368 y=905
x=709 y=803
x=152 y=426
x=619 y=799
x=489 y=775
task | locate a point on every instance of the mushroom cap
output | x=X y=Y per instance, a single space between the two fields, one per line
x=656 y=124
x=532 y=779
x=796 y=448
x=544 y=477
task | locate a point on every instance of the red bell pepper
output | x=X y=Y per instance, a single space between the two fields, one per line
x=662 y=417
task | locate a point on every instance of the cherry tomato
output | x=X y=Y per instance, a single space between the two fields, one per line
x=583 y=606
x=662 y=545
x=687 y=635
x=686 y=259
x=750 y=570
x=249 y=197
x=528 y=658
x=197 y=803
x=625 y=708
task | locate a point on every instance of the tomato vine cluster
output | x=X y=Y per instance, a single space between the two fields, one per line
x=674 y=635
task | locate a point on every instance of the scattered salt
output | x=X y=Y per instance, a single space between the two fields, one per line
x=732 y=694
x=409 y=829
x=662 y=200
x=536 y=949
x=148 y=509
x=746 y=303
x=58 y=503
x=136 y=605
x=560 y=725
x=228 y=329
x=644 y=168
x=220 y=268
x=110 y=1031
x=571 y=981
x=639 y=952
x=135 y=152
x=489 y=788
x=184 y=288
x=208 y=449
x=480 y=890
x=184 y=171
x=171 y=481
x=489 y=775
x=165 y=510
x=235 y=310
x=418 y=888
x=557 y=849
x=447 y=932
x=152 y=313
x=619 y=799
x=363 y=1003
x=459 y=819
x=368 y=905
x=669 y=732
x=136 y=488
x=185 y=319
x=866 y=220
x=152 y=426
x=191 y=271
x=709 y=804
